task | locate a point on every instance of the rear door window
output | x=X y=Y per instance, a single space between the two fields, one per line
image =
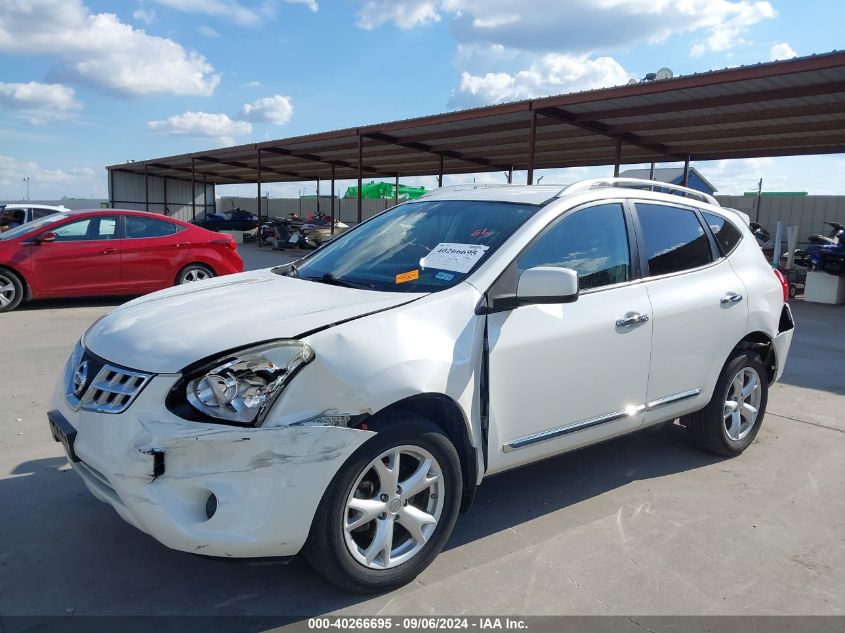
x=674 y=238
x=140 y=227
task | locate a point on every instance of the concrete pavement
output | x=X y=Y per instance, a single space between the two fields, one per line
x=644 y=524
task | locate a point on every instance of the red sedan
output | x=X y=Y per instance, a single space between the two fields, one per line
x=108 y=252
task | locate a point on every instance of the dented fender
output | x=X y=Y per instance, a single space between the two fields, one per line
x=431 y=346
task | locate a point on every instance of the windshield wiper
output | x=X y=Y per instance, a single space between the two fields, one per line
x=331 y=280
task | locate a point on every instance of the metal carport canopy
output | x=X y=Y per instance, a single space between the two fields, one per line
x=771 y=109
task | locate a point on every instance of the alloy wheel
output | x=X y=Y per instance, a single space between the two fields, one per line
x=195 y=274
x=394 y=507
x=742 y=403
x=7 y=291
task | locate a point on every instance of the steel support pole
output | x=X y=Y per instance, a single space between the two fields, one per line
x=396 y=191
x=193 y=191
x=686 y=171
x=618 y=158
x=258 y=191
x=440 y=172
x=360 y=179
x=510 y=176
x=318 y=196
x=651 y=172
x=332 y=192
x=166 y=210
x=111 y=188
x=146 y=190
x=532 y=137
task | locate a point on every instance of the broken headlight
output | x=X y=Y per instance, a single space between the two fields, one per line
x=242 y=387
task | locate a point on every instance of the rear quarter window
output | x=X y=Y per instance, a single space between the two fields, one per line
x=726 y=234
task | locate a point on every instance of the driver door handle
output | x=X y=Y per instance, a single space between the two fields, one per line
x=730 y=298
x=631 y=318
x=108 y=251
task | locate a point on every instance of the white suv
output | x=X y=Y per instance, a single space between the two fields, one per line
x=349 y=404
x=13 y=215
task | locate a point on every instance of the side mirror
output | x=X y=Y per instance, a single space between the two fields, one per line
x=47 y=236
x=547 y=284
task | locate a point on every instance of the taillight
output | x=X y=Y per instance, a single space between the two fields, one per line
x=231 y=244
x=784 y=284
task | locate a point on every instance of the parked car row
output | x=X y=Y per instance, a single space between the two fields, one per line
x=107 y=252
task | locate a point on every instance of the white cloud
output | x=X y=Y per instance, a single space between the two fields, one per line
x=207 y=31
x=38 y=102
x=98 y=49
x=202 y=125
x=228 y=9
x=405 y=14
x=578 y=26
x=147 y=16
x=552 y=74
x=730 y=22
x=782 y=51
x=311 y=4
x=277 y=109
x=48 y=183
x=252 y=84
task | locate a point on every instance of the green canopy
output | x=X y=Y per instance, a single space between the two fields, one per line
x=377 y=190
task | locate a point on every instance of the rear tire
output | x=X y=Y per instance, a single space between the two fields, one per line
x=732 y=418
x=194 y=272
x=11 y=291
x=370 y=550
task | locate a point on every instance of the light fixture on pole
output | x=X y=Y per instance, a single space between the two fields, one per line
x=26 y=180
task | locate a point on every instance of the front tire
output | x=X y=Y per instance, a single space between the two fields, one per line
x=11 y=291
x=732 y=418
x=389 y=510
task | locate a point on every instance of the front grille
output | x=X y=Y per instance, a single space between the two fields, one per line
x=95 y=385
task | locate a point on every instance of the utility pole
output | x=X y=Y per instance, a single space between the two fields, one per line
x=759 y=195
x=26 y=180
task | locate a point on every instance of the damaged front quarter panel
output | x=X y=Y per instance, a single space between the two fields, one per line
x=361 y=367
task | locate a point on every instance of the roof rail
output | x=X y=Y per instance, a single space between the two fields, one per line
x=636 y=183
x=466 y=186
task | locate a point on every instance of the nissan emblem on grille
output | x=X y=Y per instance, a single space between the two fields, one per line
x=95 y=385
x=80 y=377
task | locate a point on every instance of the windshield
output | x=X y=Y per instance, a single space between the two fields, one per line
x=23 y=229
x=420 y=246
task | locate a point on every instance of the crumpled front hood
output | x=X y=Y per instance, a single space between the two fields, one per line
x=165 y=331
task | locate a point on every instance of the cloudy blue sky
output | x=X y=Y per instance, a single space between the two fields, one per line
x=86 y=83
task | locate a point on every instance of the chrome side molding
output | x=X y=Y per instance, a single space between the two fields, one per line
x=582 y=425
x=678 y=397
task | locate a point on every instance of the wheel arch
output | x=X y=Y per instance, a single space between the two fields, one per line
x=444 y=412
x=762 y=344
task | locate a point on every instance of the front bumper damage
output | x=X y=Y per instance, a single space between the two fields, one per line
x=206 y=488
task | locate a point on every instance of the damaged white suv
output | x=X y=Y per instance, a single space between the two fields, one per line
x=348 y=405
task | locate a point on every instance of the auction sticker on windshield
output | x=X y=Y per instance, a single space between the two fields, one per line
x=459 y=258
x=411 y=275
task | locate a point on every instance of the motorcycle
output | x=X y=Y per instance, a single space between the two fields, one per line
x=282 y=233
x=827 y=253
x=318 y=235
